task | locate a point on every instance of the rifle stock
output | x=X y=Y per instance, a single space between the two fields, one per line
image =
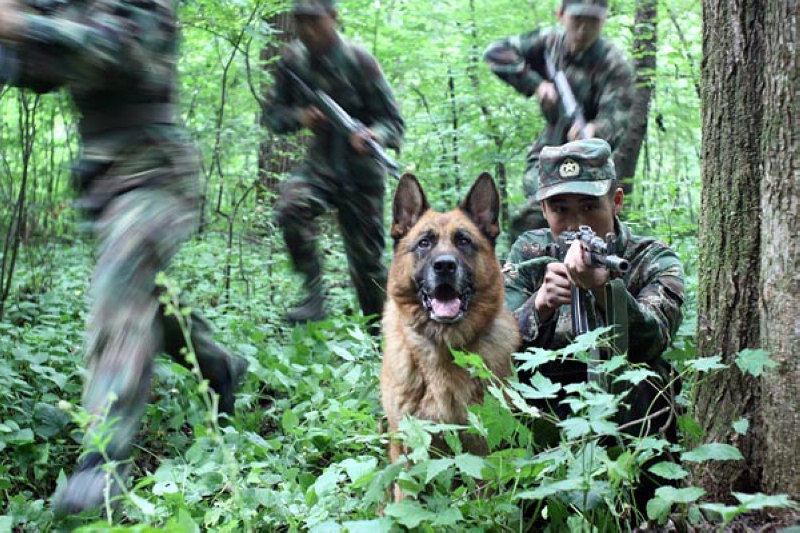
x=342 y=121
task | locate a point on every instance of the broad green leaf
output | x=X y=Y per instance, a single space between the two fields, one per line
x=147 y=508
x=358 y=468
x=575 y=427
x=715 y=451
x=448 y=517
x=668 y=470
x=436 y=467
x=378 y=525
x=685 y=495
x=549 y=488
x=470 y=465
x=741 y=426
x=758 y=501
x=535 y=357
x=289 y=420
x=704 y=364
x=635 y=376
x=409 y=513
x=540 y=388
x=754 y=362
x=658 y=508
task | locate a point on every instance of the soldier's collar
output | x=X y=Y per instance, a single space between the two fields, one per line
x=623 y=233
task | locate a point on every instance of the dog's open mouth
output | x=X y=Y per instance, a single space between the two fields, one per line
x=445 y=304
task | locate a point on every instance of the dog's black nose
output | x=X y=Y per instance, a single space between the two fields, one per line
x=445 y=264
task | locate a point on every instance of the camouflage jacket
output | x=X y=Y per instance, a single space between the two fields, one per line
x=353 y=78
x=601 y=78
x=654 y=293
x=117 y=59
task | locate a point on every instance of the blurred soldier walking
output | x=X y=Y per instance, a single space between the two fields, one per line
x=137 y=181
x=337 y=171
x=598 y=72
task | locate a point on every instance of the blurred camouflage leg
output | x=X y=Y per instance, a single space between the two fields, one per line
x=361 y=223
x=223 y=370
x=300 y=204
x=139 y=233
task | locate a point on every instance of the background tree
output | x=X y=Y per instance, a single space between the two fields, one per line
x=749 y=288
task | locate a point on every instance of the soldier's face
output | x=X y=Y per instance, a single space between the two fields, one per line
x=568 y=212
x=582 y=32
x=317 y=32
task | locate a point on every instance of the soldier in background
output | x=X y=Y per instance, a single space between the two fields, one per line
x=337 y=171
x=137 y=180
x=598 y=72
x=577 y=187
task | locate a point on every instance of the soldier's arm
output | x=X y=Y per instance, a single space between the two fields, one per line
x=616 y=100
x=387 y=123
x=117 y=37
x=521 y=288
x=654 y=314
x=519 y=60
x=282 y=111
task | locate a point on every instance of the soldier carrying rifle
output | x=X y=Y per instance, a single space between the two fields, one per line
x=341 y=169
x=639 y=289
x=583 y=83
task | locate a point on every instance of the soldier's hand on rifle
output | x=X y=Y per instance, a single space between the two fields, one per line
x=11 y=20
x=579 y=269
x=547 y=95
x=554 y=292
x=574 y=132
x=359 y=139
x=309 y=117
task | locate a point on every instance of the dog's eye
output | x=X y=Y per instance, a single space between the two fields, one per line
x=424 y=244
x=463 y=240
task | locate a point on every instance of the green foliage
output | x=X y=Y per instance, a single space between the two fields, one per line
x=306 y=451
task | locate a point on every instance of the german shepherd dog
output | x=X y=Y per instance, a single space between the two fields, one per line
x=445 y=291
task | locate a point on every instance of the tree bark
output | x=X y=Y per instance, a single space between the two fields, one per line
x=730 y=238
x=780 y=255
x=749 y=282
x=644 y=58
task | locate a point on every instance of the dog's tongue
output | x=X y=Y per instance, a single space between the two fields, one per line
x=446 y=308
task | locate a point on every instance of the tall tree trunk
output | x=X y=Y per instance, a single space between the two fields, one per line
x=644 y=58
x=749 y=285
x=780 y=253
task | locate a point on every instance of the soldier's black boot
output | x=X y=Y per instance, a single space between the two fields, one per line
x=90 y=486
x=310 y=309
x=223 y=370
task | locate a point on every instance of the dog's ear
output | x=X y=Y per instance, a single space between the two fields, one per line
x=482 y=206
x=408 y=206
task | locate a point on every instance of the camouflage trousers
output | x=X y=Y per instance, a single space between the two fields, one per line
x=139 y=231
x=304 y=197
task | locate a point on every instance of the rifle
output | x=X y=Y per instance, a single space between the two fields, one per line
x=601 y=253
x=342 y=121
x=572 y=110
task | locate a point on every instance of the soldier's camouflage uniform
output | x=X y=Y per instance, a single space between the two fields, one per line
x=137 y=180
x=333 y=174
x=651 y=292
x=601 y=79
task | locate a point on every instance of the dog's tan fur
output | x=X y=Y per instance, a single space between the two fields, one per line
x=419 y=377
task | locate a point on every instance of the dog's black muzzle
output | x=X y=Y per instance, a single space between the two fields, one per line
x=445 y=289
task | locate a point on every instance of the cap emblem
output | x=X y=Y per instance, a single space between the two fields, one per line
x=569 y=168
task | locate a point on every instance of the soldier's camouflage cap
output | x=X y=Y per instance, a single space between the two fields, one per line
x=586 y=8
x=313 y=7
x=578 y=167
